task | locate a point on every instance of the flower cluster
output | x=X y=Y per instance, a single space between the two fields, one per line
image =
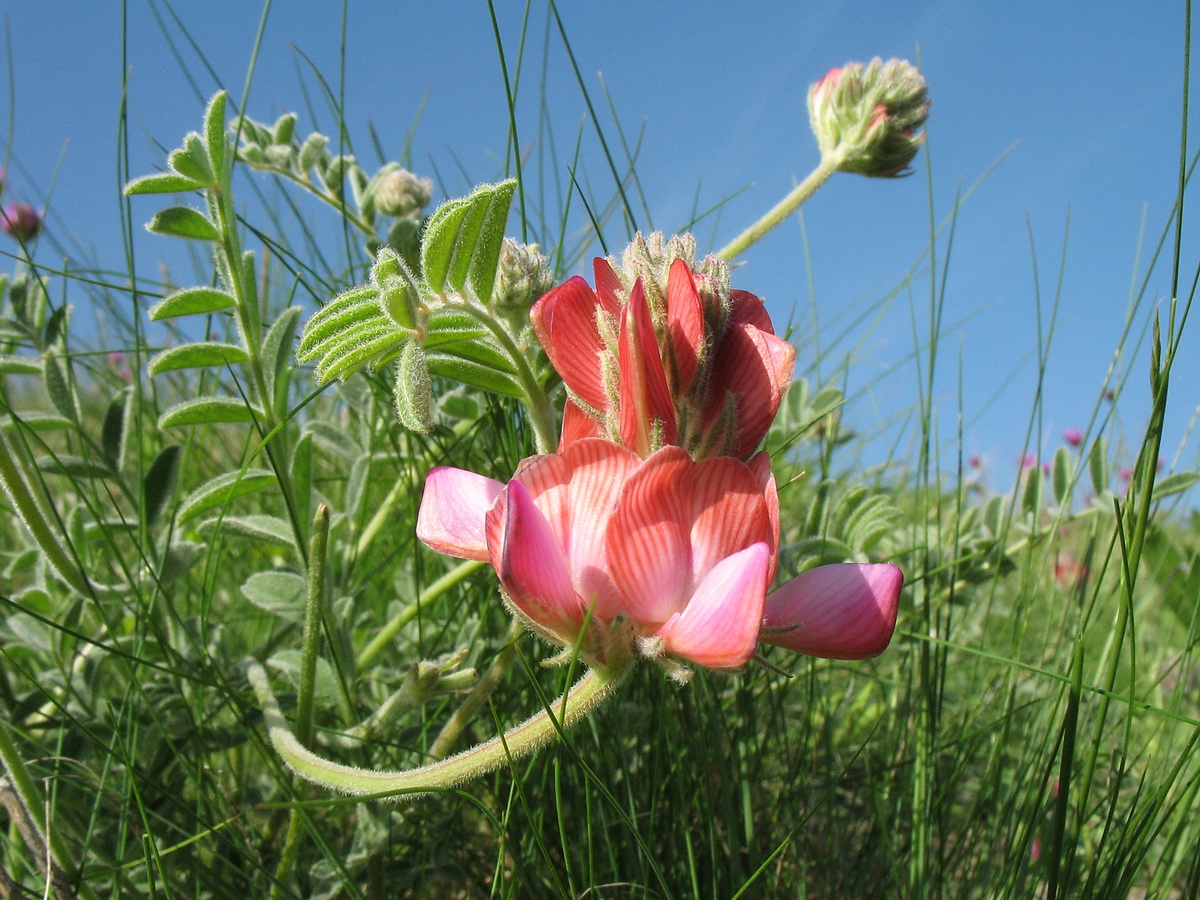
x=663 y=352
x=653 y=530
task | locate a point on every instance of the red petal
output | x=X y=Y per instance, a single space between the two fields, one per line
x=841 y=611
x=645 y=398
x=608 y=286
x=685 y=319
x=720 y=626
x=745 y=307
x=676 y=520
x=527 y=556
x=756 y=368
x=453 y=509
x=565 y=322
x=577 y=425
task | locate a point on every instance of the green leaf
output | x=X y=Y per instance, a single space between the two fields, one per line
x=191 y=160
x=74 y=466
x=271 y=529
x=333 y=439
x=463 y=238
x=277 y=352
x=215 y=140
x=20 y=365
x=196 y=356
x=112 y=434
x=325 y=686
x=1061 y=474
x=58 y=388
x=160 y=481
x=37 y=420
x=161 y=183
x=339 y=315
x=467 y=372
x=183 y=222
x=179 y=558
x=357 y=349
x=56 y=324
x=191 y=301
x=1098 y=465
x=222 y=489
x=312 y=152
x=1176 y=483
x=207 y=411
x=1035 y=488
x=485 y=258
x=279 y=593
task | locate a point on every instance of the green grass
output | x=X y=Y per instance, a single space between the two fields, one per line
x=1031 y=732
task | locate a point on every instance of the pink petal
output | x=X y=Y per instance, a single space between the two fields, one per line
x=565 y=322
x=842 y=611
x=685 y=321
x=720 y=626
x=645 y=398
x=453 y=509
x=529 y=560
x=676 y=520
x=576 y=491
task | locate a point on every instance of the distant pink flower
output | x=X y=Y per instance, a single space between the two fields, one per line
x=1073 y=436
x=1068 y=570
x=1028 y=461
x=1125 y=473
x=663 y=556
x=21 y=221
x=975 y=462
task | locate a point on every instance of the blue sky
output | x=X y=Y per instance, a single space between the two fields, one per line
x=1083 y=97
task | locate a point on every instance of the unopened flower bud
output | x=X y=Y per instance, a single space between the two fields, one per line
x=524 y=276
x=21 y=221
x=869 y=116
x=401 y=193
x=414 y=393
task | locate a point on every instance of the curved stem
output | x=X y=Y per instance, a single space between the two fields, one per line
x=520 y=740
x=783 y=208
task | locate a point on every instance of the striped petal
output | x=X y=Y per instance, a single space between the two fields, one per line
x=755 y=367
x=565 y=323
x=677 y=520
x=720 y=626
x=685 y=323
x=527 y=556
x=576 y=491
x=841 y=611
x=646 y=405
x=453 y=509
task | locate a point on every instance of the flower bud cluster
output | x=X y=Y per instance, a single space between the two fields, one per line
x=869 y=117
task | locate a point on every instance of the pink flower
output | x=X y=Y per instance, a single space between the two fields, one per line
x=673 y=359
x=664 y=556
x=21 y=221
x=1073 y=436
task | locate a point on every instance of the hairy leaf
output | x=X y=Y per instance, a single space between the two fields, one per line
x=192 y=301
x=196 y=356
x=222 y=489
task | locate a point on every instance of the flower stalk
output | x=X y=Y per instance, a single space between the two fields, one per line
x=519 y=741
x=794 y=200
